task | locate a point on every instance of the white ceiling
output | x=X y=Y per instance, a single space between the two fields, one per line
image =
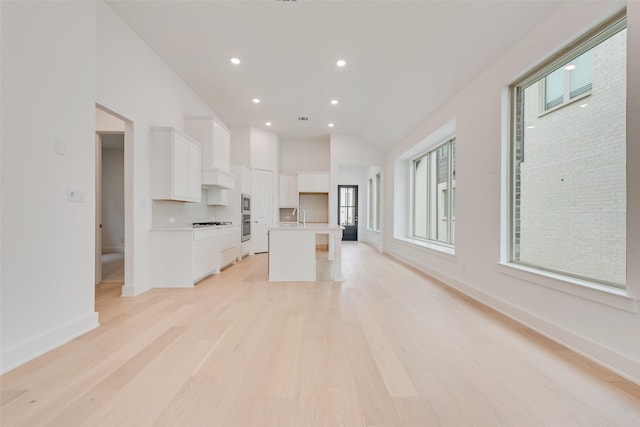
x=404 y=58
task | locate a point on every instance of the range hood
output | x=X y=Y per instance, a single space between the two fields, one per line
x=215 y=177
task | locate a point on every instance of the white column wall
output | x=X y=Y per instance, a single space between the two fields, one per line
x=48 y=95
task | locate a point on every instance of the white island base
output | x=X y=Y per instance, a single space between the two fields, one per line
x=292 y=252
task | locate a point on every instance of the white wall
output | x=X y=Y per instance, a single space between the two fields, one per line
x=371 y=236
x=52 y=80
x=240 y=150
x=48 y=94
x=105 y=122
x=135 y=83
x=348 y=154
x=183 y=214
x=601 y=325
x=355 y=175
x=301 y=155
x=264 y=150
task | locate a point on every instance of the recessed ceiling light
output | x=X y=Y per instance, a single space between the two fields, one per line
x=334 y=101
x=235 y=61
x=256 y=100
x=531 y=127
x=583 y=105
x=341 y=63
x=330 y=125
x=570 y=67
x=268 y=123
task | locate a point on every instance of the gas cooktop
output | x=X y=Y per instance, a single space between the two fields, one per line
x=211 y=223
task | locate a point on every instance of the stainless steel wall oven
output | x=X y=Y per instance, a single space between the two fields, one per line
x=245 y=207
x=246 y=227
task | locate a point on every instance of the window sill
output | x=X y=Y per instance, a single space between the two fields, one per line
x=612 y=297
x=564 y=104
x=437 y=249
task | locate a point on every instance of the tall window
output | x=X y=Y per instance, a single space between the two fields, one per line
x=376 y=222
x=434 y=193
x=568 y=191
x=374 y=203
x=370 y=205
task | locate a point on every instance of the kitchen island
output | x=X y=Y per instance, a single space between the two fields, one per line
x=292 y=251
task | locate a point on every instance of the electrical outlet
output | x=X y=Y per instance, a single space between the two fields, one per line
x=172 y=220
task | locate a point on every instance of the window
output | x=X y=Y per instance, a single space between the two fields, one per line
x=568 y=186
x=374 y=203
x=371 y=205
x=376 y=223
x=568 y=83
x=433 y=194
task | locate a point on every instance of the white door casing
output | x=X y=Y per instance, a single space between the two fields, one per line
x=98 y=209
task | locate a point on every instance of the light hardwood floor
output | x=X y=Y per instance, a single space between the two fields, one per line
x=385 y=347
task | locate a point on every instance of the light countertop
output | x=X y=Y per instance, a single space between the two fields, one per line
x=315 y=226
x=191 y=228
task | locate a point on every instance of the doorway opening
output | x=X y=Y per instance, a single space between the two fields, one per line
x=113 y=225
x=348 y=211
x=110 y=188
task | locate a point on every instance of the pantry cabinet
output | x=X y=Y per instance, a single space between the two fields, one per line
x=288 y=190
x=175 y=165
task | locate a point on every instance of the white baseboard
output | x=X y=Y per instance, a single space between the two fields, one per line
x=22 y=353
x=603 y=356
x=135 y=289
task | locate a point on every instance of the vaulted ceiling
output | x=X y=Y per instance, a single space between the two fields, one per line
x=404 y=59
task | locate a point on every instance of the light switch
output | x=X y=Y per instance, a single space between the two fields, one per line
x=76 y=195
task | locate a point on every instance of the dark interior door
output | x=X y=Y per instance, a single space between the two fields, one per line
x=348 y=211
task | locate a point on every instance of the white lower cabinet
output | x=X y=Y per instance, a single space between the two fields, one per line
x=205 y=253
x=181 y=257
x=229 y=245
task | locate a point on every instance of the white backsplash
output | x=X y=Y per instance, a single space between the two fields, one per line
x=188 y=213
x=182 y=213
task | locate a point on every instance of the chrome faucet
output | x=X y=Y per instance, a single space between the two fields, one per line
x=304 y=214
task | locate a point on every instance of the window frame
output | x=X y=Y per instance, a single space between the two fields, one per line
x=426 y=154
x=378 y=202
x=370 y=205
x=599 y=34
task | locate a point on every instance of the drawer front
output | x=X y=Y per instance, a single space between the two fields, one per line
x=229 y=256
x=205 y=233
x=229 y=241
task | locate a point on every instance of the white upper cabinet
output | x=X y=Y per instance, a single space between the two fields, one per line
x=313 y=182
x=216 y=150
x=175 y=165
x=288 y=191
